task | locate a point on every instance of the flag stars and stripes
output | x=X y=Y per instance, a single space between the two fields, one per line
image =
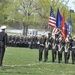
x=63 y=28
x=52 y=19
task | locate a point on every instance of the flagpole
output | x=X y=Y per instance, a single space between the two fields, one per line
x=52 y=6
x=70 y=19
x=70 y=13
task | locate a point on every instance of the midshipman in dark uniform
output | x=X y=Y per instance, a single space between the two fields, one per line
x=3 y=43
x=55 y=47
x=73 y=54
x=42 y=41
x=66 y=52
x=48 y=46
x=46 y=50
x=50 y=41
x=10 y=40
x=73 y=51
x=61 y=48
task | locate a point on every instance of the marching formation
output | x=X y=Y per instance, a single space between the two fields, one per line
x=57 y=45
x=22 y=41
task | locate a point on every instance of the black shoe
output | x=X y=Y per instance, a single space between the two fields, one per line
x=0 y=64
x=40 y=60
x=44 y=60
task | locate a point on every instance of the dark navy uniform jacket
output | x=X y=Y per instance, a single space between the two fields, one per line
x=3 y=38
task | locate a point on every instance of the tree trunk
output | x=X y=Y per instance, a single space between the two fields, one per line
x=25 y=29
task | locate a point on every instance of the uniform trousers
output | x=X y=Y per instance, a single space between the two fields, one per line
x=73 y=55
x=59 y=56
x=41 y=48
x=45 y=54
x=2 y=51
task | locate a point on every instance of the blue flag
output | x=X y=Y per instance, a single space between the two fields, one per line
x=67 y=29
x=70 y=25
x=58 y=19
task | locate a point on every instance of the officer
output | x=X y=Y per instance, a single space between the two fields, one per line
x=38 y=37
x=48 y=46
x=17 y=41
x=66 y=52
x=3 y=43
x=55 y=47
x=74 y=41
x=63 y=44
x=73 y=51
x=50 y=41
x=27 y=41
x=31 y=42
x=46 y=50
x=60 y=49
x=42 y=41
x=73 y=55
x=56 y=41
x=35 y=41
x=9 y=39
x=21 y=41
x=70 y=43
x=14 y=41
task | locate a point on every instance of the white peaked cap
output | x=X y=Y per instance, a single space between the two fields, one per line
x=0 y=30
x=3 y=27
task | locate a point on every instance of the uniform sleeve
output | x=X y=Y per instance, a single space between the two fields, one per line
x=6 y=39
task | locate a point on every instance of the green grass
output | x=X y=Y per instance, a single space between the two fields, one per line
x=24 y=61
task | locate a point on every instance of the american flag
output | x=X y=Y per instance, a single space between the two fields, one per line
x=55 y=30
x=52 y=19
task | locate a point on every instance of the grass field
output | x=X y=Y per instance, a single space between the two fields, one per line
x=24 y=61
